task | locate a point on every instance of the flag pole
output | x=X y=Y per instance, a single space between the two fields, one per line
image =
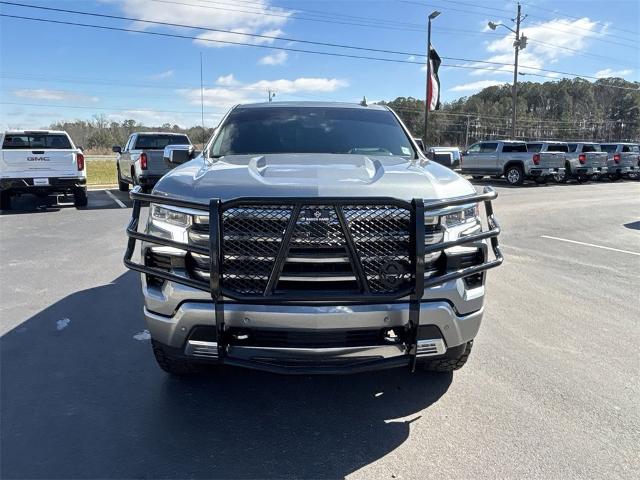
x=427 y=102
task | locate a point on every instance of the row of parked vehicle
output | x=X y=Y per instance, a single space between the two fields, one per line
x=46 y=162
x=540 y=161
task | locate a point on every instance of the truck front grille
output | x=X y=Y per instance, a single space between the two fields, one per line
x=314 y=249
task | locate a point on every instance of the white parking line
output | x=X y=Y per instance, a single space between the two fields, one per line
x=591 y=245
x=115 y=199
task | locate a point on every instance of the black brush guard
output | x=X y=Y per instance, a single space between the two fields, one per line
x=215 y=207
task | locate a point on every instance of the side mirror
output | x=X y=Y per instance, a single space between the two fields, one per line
x=178 y=154
x=116 y=149
x=420 y=143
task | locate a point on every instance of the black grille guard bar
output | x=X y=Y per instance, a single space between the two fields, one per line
x=417 y=208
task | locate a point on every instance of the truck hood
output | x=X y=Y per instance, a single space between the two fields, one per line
x=311 y=175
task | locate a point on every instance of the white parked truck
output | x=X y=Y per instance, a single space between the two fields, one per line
x=41 y=162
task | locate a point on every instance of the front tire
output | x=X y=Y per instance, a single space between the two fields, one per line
x=446 y=364
x=171 y=363
x=514 y=175
x=5 y=200
x=80 y=197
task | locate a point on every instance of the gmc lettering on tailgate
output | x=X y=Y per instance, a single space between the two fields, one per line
x=38 y=159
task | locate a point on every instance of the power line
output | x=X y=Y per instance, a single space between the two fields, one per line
x=315 y=52
x=93 y=107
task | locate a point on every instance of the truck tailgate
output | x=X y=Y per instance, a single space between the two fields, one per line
x=552 y=159
x=596 y=159
x=628 y=159
x=38 y=163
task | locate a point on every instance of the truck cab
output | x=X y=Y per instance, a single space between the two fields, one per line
x=41 y=162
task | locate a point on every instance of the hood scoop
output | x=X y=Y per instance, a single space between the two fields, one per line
x=294 y=169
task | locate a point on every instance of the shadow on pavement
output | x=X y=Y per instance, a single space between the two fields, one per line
x=82 y=398
x=633 y=225
x=97 y=200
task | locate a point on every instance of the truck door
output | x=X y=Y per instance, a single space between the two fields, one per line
x=470 y=158
x=489 y=158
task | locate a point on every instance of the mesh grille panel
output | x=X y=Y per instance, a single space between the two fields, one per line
x=252 y=237
x=382 y=238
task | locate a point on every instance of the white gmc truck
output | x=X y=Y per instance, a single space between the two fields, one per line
x=41 y=162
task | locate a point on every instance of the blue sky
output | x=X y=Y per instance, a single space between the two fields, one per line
x=52 y=72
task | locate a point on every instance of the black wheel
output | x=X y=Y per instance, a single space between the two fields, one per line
x=5 y=200
x=614 y=177
x=80 y=197
x=582 y=178
x=514 y=175
x=122 y=185
x=173 y=364
x=540 y=180
x=477 y=177
x=454 y=362
x=564 y=176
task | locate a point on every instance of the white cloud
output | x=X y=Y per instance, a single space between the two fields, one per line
x=259 y=18
x=277 y=58
x=163 y=75
x=228 y=94
x=227 y=80
x=53 y=95
x=476 y=86
x=571 y=34
x=607 y=72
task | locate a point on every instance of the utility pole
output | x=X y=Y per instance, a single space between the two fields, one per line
x=514 y=95
x=466 y=135
x=519 y=44
x=202 y=103
x=433 y=15
x=271 y=95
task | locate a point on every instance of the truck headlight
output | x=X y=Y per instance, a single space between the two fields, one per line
x=461 y=217
x=168 y=223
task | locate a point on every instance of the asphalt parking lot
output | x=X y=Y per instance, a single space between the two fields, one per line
x=552 y=389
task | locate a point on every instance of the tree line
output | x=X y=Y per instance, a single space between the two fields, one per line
x=568 y=109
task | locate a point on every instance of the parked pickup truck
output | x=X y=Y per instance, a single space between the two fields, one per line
x=623 y=159
x=41 y=162
x=313 y=238
x=559 y=149
x=447 y=156
x=585 y=161
x=511 y=159
x=142 y=160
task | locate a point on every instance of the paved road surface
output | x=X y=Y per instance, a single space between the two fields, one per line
x=551 y=389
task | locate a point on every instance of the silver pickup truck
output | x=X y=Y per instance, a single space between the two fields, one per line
x=313 y=238
x=559 y=149
x=623 y=159
x=142 y=160
x=585 y=161
x=510 y=159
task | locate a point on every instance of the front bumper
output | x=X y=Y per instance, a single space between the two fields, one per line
x=25 y=185
x=442 y=330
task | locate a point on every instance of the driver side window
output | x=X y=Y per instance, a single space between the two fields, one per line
x=475 y=148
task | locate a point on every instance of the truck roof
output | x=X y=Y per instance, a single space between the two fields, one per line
x=158 y=133
x=618 y=143
x=547 y=141
x=311 y=105
x=26 y=132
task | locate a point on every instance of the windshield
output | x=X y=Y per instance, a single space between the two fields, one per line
x=158 y=142
x=40 y=140
x=311 y=130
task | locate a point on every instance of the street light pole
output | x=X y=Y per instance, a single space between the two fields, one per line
x=433 y=15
